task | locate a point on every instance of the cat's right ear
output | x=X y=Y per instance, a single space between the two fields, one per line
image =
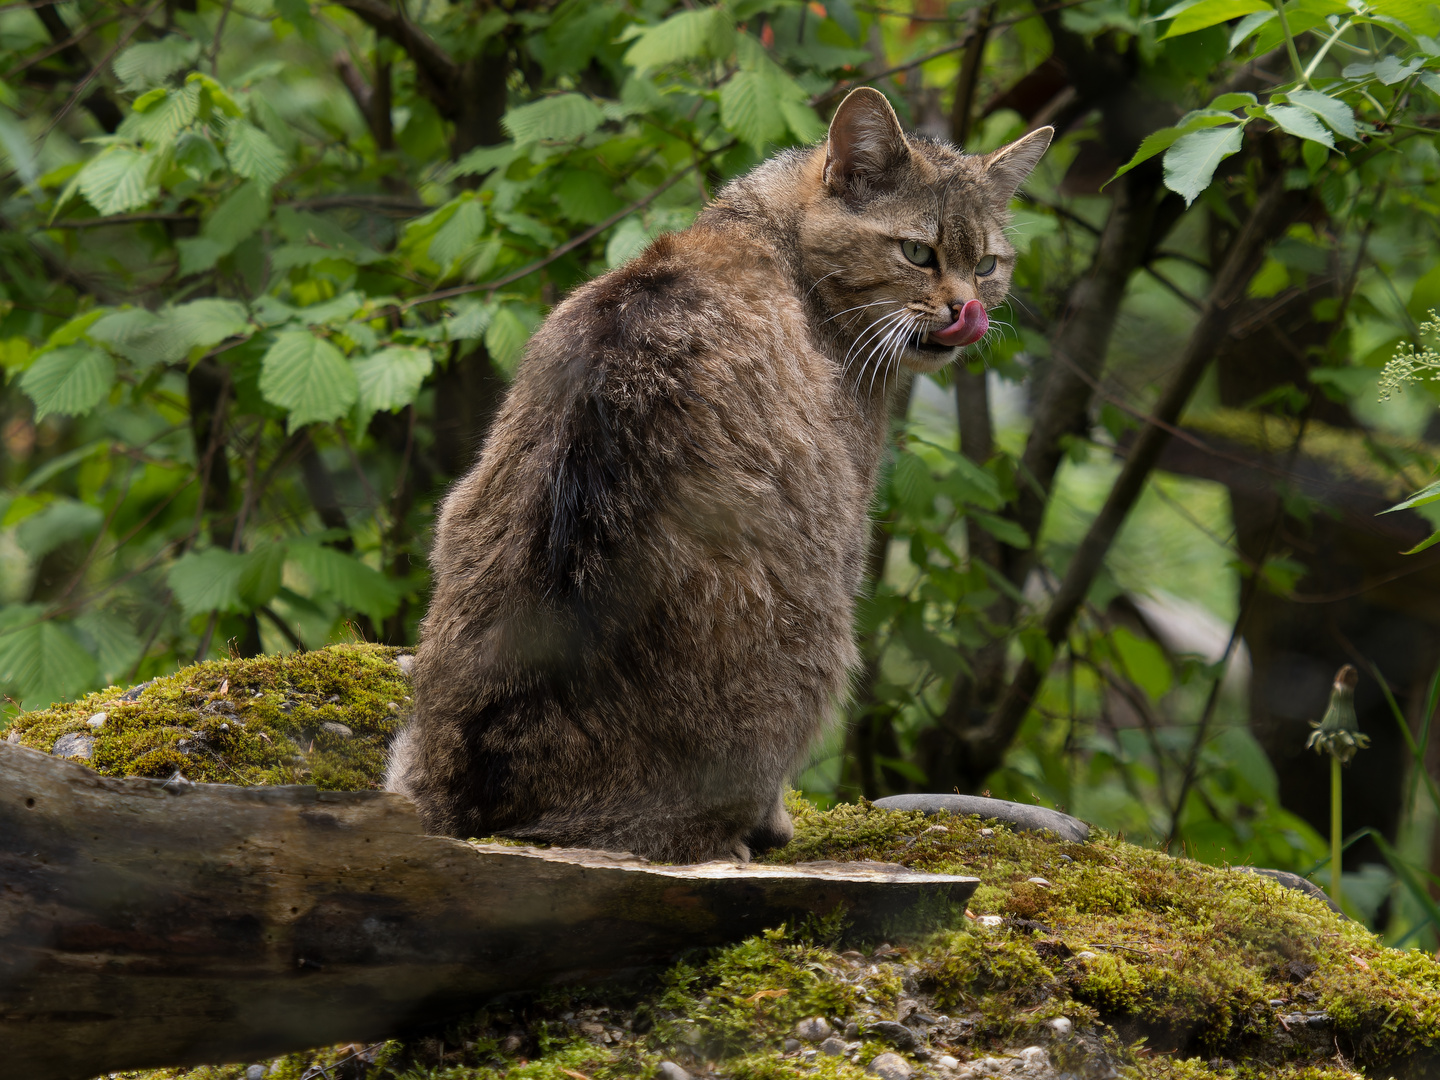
x=865 y=142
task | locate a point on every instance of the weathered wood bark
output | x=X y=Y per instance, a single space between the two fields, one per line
x=145 y=923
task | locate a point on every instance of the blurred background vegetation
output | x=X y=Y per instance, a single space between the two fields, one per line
x=267 y=267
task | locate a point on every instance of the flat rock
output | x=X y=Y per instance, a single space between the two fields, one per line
x=1292 y=881
x=670 y=1071
x=74 y=745
x=890 y=1067
x=814 y=1030
x=1020 y=816
x=897 y=1035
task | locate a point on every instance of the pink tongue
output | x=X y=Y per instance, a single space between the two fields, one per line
x=969 y=328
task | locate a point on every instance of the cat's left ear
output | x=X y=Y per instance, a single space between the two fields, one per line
x=1007 y=168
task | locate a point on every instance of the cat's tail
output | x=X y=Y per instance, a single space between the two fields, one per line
x=403 y=767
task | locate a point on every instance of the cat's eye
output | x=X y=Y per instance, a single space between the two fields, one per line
x=918 y=253
x=986 y=266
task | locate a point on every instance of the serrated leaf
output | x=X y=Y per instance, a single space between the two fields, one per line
x=253 y=154
x=208 y=322
x=1430 y=493
x=1229 y=102
x=1158 y=141
x=459 y=233
x=209 y=580
x=470 y=319
x=261 y=575
x=507 y=337
x=240 y=216
x=297 y=14
x=390 y=378
x=164 y=119
x=483 y=159
x=805 y=124
x=690 y=35
x=628 y=240
x=118 y=179
x=347 y=580
x=1191 y=162
x=750 y=109
x=1332 y=110
x=561 y=118
x=586 y=197
x=152 y=62
x=308 y=377
x=69 y=381
x=111 y=639
x=166 y=337
x=41 y=662
x=1301 y=123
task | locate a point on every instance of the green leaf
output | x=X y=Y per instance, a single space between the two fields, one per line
x=507 y=337
x=586 y=197
x=561 y=118
x=1191 y=163
x=297 y=14
x=40 y=658
x=253 y=154
x=750 y=108
x=1229 y=102
x=1158 y=141
x=1428 y=494
x=262 y=574
x=1209 y=13
x=118 y=179
x=69 y=381
x=1144 y=663
x=1301 y=123
x=470 y=319
x=1428 y=542
x=167 y=337
x=109 y=636
x=1003 y=529
x=690 y=35
x=347 y=580
x=1332 y=110
x=152 y=62
x=166 y=117
x=1248 y=25
x=459 y=233
x=58 y=523
x=209 y=580
x=484 y=159
x=804 y=122
x=308 y=377
x=391 y=378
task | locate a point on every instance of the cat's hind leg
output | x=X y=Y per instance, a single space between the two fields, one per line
x=775 y=831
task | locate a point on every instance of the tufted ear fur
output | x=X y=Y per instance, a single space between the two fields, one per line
x=1007 y=168
x=865 y=143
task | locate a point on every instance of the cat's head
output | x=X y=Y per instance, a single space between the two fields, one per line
x=904 y=244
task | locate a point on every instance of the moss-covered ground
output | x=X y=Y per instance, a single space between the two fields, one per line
x=1165 y=968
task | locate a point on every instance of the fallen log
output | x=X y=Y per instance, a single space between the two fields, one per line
x=147 y=922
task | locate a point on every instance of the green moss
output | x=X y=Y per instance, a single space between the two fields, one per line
x=1166 y=967
x=259 y=721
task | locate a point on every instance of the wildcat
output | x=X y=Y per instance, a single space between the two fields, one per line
x=644 y=589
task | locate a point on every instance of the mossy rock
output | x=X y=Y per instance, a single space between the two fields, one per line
x=1164 y=967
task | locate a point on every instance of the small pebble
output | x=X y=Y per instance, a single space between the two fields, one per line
x=1034 y=1056
x=336 y=729
x=392 y=706
x=987 y=832
x=814 y=1030
x=890 y=1067
x=945 y=1061
x=333 y=699
x=668 y=1069
x=1276 y=1003
x=97 y=721
x=1061 y=1026
x=852 y=1031
x=510 y=1044
x=1086 y=955
x=791 y=1045
x=833 y=1046
x=990 y=920
x=74 y=746
x=1040 y=881
x=13 y=737
x=406 y=664
x=255 y=1072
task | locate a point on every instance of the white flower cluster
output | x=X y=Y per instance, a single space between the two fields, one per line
x=1411 y=364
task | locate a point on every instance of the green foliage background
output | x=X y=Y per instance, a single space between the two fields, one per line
x=266 y=267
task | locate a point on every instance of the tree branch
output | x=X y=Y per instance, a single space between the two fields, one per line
x=1273 y=211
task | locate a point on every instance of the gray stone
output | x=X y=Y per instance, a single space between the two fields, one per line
x=945 y=1061
x=833 y=1046
x=890 y=1067
x=897 y=1035
x=852 y=1031
x=668 y=1069
x=814 y=1030
x=133 y=694
x=791 y=1045
x=1289 y=881
x=255 y=1072
x=337 y=729
x=74 y=745
x=96 y=722
x=1061 y=1026
x=13 y=736
x=1018 y=815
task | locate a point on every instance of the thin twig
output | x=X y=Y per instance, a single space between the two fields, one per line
x=84 y=83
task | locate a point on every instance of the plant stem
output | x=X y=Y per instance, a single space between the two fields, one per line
x=1335 y=831
x=1300 y=72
